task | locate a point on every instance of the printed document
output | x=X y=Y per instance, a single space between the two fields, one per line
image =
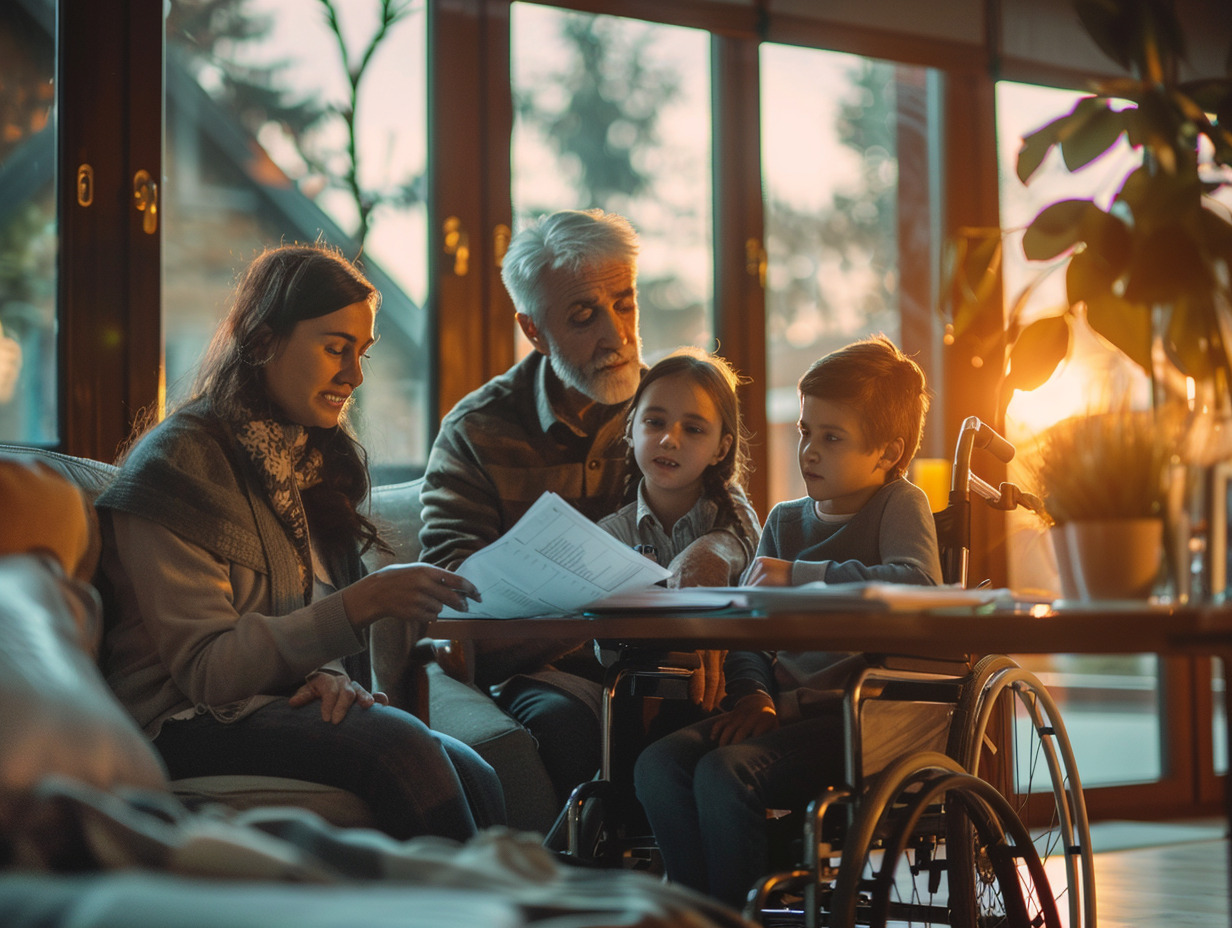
x=554 y=561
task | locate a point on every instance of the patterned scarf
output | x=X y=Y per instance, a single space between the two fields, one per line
x=279 y=451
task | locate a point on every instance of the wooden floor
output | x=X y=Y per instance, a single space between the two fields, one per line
x=1181 y=885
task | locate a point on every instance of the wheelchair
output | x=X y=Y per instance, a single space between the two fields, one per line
x=990 y=828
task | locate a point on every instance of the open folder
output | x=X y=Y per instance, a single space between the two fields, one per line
x=554 y=561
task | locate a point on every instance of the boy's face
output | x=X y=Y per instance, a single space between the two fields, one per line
x=840 y=472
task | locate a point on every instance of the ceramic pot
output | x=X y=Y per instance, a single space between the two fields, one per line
x=1109 y=559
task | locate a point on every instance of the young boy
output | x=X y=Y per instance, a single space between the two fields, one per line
x=705 y=788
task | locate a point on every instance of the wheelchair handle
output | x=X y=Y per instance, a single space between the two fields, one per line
x=975 y=434
x=986 y=437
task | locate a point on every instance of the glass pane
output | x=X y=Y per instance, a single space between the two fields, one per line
x=615 y=113
x=260 y=132
x=834 y=207
x=1110 y=707
x=28 y=232
x=1110 y=704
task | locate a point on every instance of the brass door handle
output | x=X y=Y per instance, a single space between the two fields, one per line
x=145 y=198
x=457 y=245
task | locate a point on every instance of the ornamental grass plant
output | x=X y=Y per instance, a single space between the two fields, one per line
x=1107 y=465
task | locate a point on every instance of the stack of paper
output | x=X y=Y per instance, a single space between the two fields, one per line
x=553 y=561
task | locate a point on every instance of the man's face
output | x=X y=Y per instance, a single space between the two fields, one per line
x=589 y=330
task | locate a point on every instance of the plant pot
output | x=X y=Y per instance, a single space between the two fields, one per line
x=1109 y=558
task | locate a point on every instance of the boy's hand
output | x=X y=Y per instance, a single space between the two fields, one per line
x=769 y=571
x=753 y=715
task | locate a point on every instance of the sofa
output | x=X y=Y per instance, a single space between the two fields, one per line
x=403 y=670
x=93 y=835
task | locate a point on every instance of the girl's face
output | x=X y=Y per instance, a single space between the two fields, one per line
x=677 y=434
x=316 y=369
x=839 y=471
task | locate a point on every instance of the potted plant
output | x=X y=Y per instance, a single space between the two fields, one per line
x=1152 y=272
x=1103 y=481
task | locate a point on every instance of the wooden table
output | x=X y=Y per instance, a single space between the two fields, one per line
x=1117 y=628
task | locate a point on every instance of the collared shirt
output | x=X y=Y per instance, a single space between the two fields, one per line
x=636 y=524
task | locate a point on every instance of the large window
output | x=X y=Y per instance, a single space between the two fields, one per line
x=844 y=212
x=1111 y=704
x=286 y=122
x=615 y=113
x=28 y=240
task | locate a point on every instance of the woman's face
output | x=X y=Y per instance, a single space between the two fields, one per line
x=316 y=369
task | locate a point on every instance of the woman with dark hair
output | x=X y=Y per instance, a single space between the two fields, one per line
x=233 y=537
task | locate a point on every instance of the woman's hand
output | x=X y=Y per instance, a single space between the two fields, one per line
x=768 y=571
x=410 y=592
x=337 y=694
x=753 y=715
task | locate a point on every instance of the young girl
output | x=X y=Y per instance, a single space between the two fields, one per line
x=687 y=451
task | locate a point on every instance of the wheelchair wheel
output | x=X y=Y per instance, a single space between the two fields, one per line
x=895 y=870
x=1041 y=781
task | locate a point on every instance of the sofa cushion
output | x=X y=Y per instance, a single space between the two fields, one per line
x=336 y=806
x=463 y=712
x=59 y=715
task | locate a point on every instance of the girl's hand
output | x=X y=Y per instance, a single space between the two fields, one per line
x=768 y=571
x=753 y=715
x=410 y=592
x=337 y=694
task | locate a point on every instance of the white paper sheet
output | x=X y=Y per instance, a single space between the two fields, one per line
x=553 y=561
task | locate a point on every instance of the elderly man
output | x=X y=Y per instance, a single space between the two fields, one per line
x=554 y=421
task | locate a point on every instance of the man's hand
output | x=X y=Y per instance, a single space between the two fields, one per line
x=753 y=715
x=337 y=694
x=769 y=571
x=711 y=560
x=706 y=686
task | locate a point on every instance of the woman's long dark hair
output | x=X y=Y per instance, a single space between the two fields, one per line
x=281 y=288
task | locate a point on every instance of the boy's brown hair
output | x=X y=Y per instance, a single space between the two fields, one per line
x=882 y=384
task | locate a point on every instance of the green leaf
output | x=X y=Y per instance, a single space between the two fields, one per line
x=1097 y=133
x=1036 y=145
x=1056 y=229
x=1106 y=25
x=1190 y=338
x=1109 y=241
x=1038 y=350
x=1124 y=325
x=1167 y=264
x=974 y=280
x=1216 y=234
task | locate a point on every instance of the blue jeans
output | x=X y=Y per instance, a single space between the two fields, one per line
x=417 y=781
x=566 y=730
x=707 y=804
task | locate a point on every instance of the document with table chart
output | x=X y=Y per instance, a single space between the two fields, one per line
x=554 y=561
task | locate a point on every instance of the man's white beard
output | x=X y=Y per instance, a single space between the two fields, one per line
x=604 y=387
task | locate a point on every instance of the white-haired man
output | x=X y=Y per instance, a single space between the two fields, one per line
x=554 y=421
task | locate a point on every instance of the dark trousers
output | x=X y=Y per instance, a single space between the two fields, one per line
x=417 y=781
